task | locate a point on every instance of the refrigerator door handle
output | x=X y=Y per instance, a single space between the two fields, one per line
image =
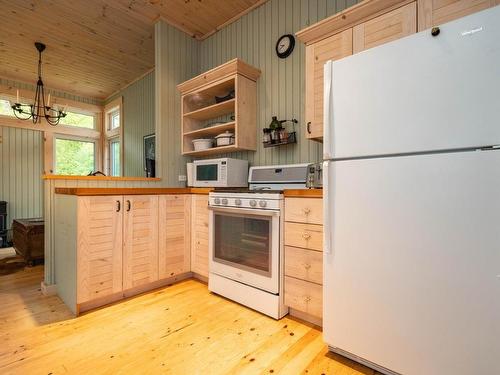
x=327 y=110
x=327 y=224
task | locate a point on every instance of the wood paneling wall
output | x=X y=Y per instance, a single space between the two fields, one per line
x=281 y=87
x=21 y=168
x=138 y=121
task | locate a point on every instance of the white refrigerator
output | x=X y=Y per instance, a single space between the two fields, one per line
x=412 y=202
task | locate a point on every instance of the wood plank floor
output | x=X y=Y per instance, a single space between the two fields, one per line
x=180 y=329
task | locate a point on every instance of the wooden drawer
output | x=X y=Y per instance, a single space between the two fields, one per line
x=304 y=296
x=307 y=236
x=304 y=210
x=304 y=264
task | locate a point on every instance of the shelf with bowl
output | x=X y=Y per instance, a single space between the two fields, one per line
x=213 y=150
x=225 y=96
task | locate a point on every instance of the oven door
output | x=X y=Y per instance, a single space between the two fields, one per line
x=244 y=245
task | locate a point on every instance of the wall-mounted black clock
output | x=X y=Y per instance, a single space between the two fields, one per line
x=285 y=45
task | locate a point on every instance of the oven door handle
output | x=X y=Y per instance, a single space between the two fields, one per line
x=244 y=211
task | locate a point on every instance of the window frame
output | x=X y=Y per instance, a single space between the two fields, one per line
x=67 y=137
x=111 y=158
x=112 y=134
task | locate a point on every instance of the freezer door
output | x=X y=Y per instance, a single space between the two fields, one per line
x=412 y=275
x=419 y=93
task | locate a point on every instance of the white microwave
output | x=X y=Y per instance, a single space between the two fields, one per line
x=223 y=172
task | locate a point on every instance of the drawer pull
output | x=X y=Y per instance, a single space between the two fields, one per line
x=306 y=236
x=307 y=299
x=307 y=266
x=306 y=211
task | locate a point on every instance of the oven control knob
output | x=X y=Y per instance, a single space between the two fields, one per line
x=224 y=201
x=237 y=202
x=262 y=203
x=253 y=203
x=217 y=200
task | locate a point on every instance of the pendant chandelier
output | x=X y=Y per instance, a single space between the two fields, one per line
x=39 y=108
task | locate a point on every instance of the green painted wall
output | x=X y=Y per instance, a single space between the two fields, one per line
x=21 y=168
x=138 y=121
x=177 y=60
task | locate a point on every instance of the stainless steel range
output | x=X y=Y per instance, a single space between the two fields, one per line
x=246 y=238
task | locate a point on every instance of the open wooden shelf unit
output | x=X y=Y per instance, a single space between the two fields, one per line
x=204 y=117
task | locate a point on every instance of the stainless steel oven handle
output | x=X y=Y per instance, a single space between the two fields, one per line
x=244 y=211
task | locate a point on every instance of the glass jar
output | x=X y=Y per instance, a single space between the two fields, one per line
x=283 y=135
x=266 y=137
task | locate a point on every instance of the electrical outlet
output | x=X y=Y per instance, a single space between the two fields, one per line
x=182 y=177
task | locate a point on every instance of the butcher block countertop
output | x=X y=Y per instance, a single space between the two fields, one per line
x=303 y=193
x=129 y=191
x=82 y=191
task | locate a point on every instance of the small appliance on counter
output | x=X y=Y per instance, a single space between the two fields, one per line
x=223 y=172
x=246 y=256
x=315 y=176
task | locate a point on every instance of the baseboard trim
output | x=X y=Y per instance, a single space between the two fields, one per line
x=306 y=317
x=48 y=290
x=199 y=277
x=120 y=296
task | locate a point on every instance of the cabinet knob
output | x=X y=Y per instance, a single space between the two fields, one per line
x=118 y=206
x=307 y=266
x=129 y=205
x=306 y=211
x=306 y=236
x=435 y=31
x=307 y=299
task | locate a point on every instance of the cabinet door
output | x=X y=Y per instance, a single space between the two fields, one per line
x=99 y=253
x=174 y=252
x=140 y=247
x=199 y=231
x=332 y=48
x=436 y=12
x=385 y=28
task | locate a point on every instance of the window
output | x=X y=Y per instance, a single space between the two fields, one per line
x=79 y=120
x=114 y=156
x=74 y=156
x=114 y=119
x=113 y=124
x=5 y=108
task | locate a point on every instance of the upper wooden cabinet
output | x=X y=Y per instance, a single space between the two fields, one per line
x=204 y=116
x=140 y=247
x=332 y=48
x=99 y=253
x=174 y=253
x=436 y=12
x=390 y=26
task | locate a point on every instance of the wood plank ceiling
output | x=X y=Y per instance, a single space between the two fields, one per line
x=96 y=47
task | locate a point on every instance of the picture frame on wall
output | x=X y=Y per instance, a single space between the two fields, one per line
x=149 y=149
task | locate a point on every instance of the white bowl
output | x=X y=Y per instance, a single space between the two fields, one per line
x=202 y=144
